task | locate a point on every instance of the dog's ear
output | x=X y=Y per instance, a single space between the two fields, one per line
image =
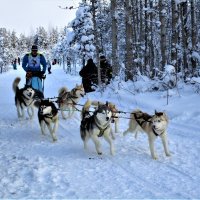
x=106 y=103
x=37 y=103
x=158 y=113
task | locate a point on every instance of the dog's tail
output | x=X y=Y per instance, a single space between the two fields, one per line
x=85 y=109
x=62 y=91
x=15 y=84
x=96 y=103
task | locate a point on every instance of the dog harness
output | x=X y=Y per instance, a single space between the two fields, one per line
x=22 y=99
x=145 y=118
x=101 y=129
x=154 y=131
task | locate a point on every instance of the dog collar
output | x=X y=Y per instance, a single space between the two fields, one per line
x=27 y=99
x=156 y=134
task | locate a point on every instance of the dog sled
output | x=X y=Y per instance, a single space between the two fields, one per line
x=36 y=81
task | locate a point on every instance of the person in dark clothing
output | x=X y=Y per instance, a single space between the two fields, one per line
x=34 y=64
x=89 y=76
x=106 y=70
x=14 y=63
x=49 y=66
x=18 y=60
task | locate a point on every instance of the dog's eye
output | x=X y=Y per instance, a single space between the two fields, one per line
x=159 y=121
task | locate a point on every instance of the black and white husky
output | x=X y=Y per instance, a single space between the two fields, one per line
x=24 y=98
x=48 y=116
x=153 y=125
x=96 y=125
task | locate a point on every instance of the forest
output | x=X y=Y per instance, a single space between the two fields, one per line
x=138 y=37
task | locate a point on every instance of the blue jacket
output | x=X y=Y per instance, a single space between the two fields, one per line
x=26 y=67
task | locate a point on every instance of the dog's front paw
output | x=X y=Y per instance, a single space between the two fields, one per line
x=155 y=157
x=124 y=133
x=112 y=153
x=99 y=153
x=112 y=136
x=55 y=139
x=43 y=133
x=168 y=154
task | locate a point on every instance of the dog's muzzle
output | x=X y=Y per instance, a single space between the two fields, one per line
x=107 y=118
x=29 y=94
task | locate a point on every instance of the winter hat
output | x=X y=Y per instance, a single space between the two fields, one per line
x=34 y=48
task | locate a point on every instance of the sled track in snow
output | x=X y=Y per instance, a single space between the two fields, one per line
x=143 y=183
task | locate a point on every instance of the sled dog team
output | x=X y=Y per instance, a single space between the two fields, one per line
x=94 y=124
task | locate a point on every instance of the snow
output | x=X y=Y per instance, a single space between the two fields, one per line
x=33 y=167
x=196 y=55
x=170 y=69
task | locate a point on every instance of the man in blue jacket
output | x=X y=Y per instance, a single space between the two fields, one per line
x=34 y=64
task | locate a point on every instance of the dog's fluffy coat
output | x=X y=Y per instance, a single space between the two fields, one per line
x=96 y=125
x=24 y=98
x=67 y=100
x=114 y=110
x=48 y=116
x=154 y=126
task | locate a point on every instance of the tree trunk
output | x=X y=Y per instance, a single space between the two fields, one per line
x=174 y=35
x=183 y=8
x=115 y=62
x=151 y=48
x=129 y=70
x=146 y=57
x=193 y=34
x=162 y=32
x=96 y=41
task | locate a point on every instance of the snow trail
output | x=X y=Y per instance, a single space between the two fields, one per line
x=32 y=166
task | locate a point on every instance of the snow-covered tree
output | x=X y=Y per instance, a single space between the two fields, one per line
x=83 y=29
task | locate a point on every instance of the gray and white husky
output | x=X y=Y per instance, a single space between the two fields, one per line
x=153 y=125
x=24 y=98
x=67 y=100
x=96 y=125
x=48 y=116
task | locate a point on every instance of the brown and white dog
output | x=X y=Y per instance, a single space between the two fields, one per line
x=153 y=125
x=67 y=100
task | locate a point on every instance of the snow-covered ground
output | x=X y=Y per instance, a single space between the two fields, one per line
x=33 y=167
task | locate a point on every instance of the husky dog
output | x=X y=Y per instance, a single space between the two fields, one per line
x=24 y=98
x=96 y=125
x=67 y=100
x=115 y=115
x=48 y=116
x=154 y=126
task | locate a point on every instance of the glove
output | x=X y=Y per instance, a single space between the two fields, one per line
x=43 y=76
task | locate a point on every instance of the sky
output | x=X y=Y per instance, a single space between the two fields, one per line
x=24 y=16
x=34 y=167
